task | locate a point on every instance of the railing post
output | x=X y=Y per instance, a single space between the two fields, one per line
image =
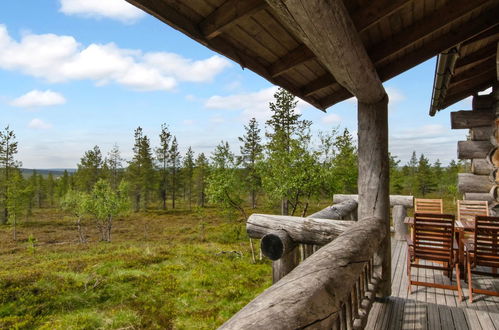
x=373 y=182
x=399 y=212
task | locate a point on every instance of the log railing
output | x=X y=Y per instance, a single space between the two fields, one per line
x=333 y=288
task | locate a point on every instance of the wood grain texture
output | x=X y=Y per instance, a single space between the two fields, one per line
x=373 y=180
x=473 y=149
x=407 y=201
x=470 y=119
x=473 y=183
x=301 y=230
x=327 y=29
x=311 y=295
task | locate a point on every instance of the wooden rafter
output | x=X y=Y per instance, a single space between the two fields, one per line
x=363 y=19
x=477 y=56
x=469 y=87
x=228 y=14
x=439 y=19
x=473 y=70
x=327 y=29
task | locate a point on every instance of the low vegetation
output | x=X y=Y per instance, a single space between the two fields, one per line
x=174 y=269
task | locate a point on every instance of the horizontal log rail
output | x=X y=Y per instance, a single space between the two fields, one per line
x=333 y=288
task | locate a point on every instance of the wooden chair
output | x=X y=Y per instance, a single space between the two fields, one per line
x=424 y=205
x=467 y=210
x=483 y=251
x=433 y=241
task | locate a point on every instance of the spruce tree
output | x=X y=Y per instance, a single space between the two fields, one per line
x=162 y=156
x=8 y=164
x=89 y=169
x=174 y=162
x=251 y=150
x=141 y=171
x=114 y=163
x=188 y=173
x=345 y=168
x=200 y=174
x=424 y=176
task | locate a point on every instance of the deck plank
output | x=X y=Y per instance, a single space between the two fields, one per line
x=432 y=308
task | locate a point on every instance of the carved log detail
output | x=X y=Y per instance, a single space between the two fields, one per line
x=276 y=244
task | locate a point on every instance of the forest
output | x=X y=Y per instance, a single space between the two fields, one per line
x=100 y=246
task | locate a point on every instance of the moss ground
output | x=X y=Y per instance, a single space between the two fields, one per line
x=163 y=270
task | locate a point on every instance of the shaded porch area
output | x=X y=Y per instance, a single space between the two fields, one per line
x=432 y=308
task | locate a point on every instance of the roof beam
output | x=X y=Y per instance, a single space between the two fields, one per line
x=441 y=18
x=482 y=36
x=296 y=57
x=456 y=97
x=327 y=29
x=363 y=19
x=228 y=14
x=473 y=72
x=479 y=24
x=469 y=87
x=477 y=56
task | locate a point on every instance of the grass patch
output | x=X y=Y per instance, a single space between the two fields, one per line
x=163 y=270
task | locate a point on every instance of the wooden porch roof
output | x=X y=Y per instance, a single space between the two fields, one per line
x=397 y=34
x=465 y=69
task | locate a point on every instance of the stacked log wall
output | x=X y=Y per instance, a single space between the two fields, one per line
x=481 y=149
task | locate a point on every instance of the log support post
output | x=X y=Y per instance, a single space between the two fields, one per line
x=373 y=179
x=399 y=212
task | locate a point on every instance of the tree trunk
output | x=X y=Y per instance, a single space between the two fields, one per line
x=373 y=181
x=284 y=206
x=253 y=199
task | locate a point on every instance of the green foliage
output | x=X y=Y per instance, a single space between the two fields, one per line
x=163 y=158
x=188 y=174
x=8 y=164
x=140 y=171
x=104 y=204
x=224 y=184
x=251 y=151
x=89 y=169
x=201 y=172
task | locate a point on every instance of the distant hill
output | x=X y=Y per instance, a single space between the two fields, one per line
x=56 y=172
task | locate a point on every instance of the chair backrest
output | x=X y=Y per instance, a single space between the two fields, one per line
x=487 y=241
x=434 y=236
x=467 y=210
x=424 y=205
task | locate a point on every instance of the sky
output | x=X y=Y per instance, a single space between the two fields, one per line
x=79 y=73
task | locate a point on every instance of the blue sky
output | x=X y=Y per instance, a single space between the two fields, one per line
x=76 y=73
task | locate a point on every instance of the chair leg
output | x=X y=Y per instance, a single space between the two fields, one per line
x=409 y=288
x=470 y=284
x=458 y=279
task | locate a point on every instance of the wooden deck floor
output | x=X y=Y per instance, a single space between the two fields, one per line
x=430 y=308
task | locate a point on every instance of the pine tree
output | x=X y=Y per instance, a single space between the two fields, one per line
x=251 y=150
x=89 y=169
x=288 y=140
x=410 y=171
x=424 y=176
x=50 y=189
x=174 y=162
x=200 y=174
x=162 y=156
x=8 y=164
x=188 y=173
x=345 y=168
x=16 y=201
x=114 y=163
x=396 y=177
x=141 y=171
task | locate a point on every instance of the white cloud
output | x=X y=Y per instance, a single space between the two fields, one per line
x=331 y=118
x=61 y=58
x=37 y=98
x=255 y=104
x=36 y=123
x=115 y=9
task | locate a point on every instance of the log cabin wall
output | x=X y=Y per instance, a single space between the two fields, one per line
x=481 y=149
